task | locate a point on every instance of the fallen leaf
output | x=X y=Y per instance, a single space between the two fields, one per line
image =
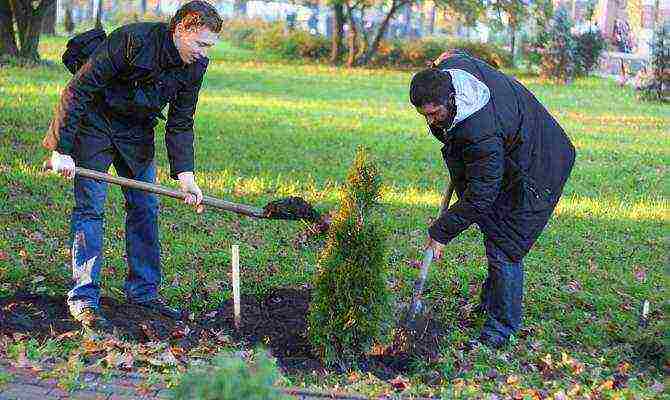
x=67 y=335
x=91 y=346
x=3 y=256
x=128 y=362
x=607 y=385
x=620 y=381
x=399 y=383
x=149 y=332
x=512 y=380
x=36 y=237
x=353 y=377
x=658 y=387
x=211 y=315
x=177 y=351
x=640 y=274
x=573 y=287
x=22 y=361
x=574 y=390
x=623 y=367
x=560 y=395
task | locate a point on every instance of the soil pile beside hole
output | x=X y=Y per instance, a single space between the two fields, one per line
x=44 y=316
x=291 y=208
x=278 y=322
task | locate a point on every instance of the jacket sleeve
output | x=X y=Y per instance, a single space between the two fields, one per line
x=484 y=162
x=179 y=128
x=112 y=58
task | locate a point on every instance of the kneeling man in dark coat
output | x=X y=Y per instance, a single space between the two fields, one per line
x=508 y=160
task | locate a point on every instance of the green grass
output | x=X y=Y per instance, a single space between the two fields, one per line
x=267 y=129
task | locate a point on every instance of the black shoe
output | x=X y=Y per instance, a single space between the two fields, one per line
x=159 y=306
x=92 y=320
x=492 y=341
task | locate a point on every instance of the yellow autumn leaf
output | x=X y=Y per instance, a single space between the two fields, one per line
x=512 y=380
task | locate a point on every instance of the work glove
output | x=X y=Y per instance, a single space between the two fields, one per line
x=438 y=248
x=192 y=190
x=62 y=164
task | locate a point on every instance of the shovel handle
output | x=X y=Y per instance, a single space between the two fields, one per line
x=164 y=191
x=417 y=294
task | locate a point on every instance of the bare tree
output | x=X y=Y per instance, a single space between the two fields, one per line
x=338 y=31
x=28 y=16
x=7 y=36
x=49 y=21
x=98 y=16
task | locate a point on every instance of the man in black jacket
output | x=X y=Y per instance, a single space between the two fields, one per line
x=106 y=115
x=509 y=161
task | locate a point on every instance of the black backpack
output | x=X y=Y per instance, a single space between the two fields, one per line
x=80 y=48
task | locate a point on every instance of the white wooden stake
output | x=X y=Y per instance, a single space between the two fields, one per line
x=236 y=285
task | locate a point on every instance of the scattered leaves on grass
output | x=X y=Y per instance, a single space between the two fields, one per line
x=399 y=383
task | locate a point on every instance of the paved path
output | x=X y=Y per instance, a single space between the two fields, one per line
x=26 y=384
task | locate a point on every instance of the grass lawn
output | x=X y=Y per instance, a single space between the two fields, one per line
x=269 y=129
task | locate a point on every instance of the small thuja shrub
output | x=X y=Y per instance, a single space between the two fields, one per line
x=590 y=46
x=68 y=21
x=655 y=85
x=232 y=378
x=559 y=51
x=350 y=305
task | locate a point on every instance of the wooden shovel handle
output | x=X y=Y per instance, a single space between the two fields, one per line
x=164 y=191
x=448 y=193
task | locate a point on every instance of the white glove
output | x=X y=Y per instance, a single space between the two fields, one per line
x=192 y=190
x=62 y=164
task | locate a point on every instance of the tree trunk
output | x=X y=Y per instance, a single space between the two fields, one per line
x=49 y=21
x=29 y=25
x=431 y=19
x=353 y=37
x=338 y=32
x=7 y=38
x=512 y=40
x=372 y=50
x=98 y=15
x=407 y=29
x=240 y=8
x=143 y=7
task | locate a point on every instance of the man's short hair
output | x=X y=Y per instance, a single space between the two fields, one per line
x=430 y=86
x=196 y=14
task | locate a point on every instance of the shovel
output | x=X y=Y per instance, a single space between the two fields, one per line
x=417 y=304
x=290 y=208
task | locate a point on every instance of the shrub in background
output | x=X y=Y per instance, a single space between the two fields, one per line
x=232 y=378
x=559 y=52
x=68 y=21
x=350 y=307
x=274 y=38
x=416 y=53
x=590 y=46
x=655 y=86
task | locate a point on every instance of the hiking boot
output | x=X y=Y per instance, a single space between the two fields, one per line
x=159 y=306
x=492 y=341
x=91 y=319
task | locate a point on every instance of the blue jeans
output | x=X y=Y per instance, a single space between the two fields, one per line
x=142 y=246
x=502 y=293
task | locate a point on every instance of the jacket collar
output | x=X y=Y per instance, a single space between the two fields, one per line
x=471 y=94
x=169 y=54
